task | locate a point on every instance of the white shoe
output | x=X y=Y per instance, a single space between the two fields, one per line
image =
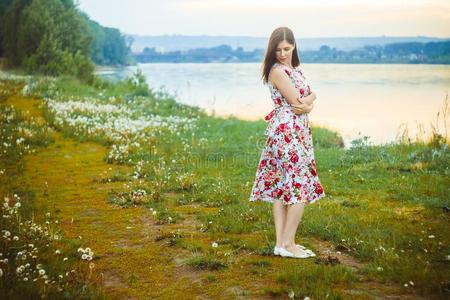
x=285 y=253
x=276 y=250
x=311 y=253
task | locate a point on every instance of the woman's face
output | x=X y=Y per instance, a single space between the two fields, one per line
x=283 y=52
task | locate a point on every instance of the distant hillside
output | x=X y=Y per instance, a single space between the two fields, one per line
x=185 y=42
x=408 y=53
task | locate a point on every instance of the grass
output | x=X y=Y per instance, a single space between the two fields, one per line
x=384 y=204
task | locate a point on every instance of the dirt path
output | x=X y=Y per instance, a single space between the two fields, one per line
x=132 y=256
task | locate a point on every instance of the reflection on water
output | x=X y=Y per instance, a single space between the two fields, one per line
x=369 y=99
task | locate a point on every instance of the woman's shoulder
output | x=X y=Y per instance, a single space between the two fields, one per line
x=278 y=69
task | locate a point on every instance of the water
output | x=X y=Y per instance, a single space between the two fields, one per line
x=355 y=99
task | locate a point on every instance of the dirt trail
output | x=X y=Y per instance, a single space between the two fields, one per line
x=134 y=261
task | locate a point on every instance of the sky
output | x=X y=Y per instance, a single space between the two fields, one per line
x=307 y=18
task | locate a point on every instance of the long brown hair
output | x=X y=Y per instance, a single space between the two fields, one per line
x=278 y=35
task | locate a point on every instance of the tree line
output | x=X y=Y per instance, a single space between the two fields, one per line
x=54 y=37
x=410 y=52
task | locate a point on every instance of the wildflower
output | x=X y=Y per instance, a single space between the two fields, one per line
x=41 y=272
x=379 y=269
x=57 y=251
x=20 y=269
x=65 y=258
x=214 y=245
x=431 y=236
x=91 y=265
x=411 y=283
x=291 y=294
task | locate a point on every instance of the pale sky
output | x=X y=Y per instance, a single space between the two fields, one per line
x=307 y=18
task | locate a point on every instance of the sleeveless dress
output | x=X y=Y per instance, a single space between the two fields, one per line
x=287 y=169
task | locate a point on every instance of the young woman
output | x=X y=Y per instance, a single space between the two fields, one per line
x=286 y=175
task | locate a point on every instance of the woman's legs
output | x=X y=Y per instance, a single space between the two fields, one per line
x=294 y=213
x=279 y=217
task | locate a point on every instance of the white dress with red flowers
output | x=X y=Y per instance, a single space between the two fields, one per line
x=287 y=169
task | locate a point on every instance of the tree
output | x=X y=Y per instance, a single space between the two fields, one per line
x=10 y=23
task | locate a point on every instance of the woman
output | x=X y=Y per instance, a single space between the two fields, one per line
x=286 y=174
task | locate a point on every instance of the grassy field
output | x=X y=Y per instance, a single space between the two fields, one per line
x=158 y=191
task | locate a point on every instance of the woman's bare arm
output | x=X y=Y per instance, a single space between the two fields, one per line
x=284 y=84
x=308 y=99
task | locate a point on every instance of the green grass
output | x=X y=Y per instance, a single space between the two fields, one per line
x=383 y=202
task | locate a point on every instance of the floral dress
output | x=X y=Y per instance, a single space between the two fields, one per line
x=287 y=169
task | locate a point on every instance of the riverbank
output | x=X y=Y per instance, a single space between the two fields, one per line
x=146 y=181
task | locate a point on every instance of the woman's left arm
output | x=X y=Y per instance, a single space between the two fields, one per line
x=308 y=99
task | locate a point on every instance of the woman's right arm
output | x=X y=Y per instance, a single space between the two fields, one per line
x=284 y=84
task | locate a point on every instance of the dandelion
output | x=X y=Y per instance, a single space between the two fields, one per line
x=291 y=294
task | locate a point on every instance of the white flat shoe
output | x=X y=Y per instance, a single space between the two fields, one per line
x=276 y=250
x=311 y=253
x=285 y=253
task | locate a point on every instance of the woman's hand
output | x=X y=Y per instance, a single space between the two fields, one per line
x=308 y=99
x=302 y=108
